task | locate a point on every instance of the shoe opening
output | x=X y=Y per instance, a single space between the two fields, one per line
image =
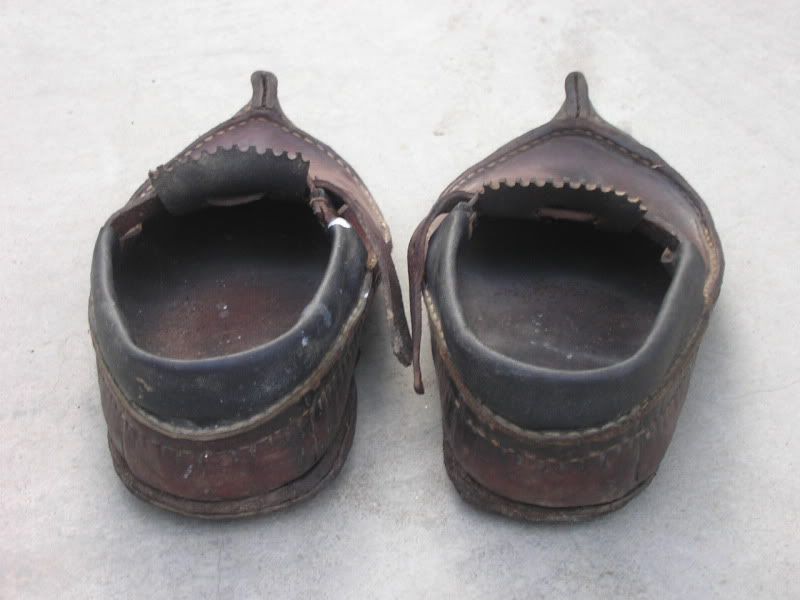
x=565 y=287
x=221 y=280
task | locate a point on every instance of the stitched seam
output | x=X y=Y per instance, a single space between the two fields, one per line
x=252 y=448
x=713 y=258
x=626 y=441
x=305 y=138
x=574 y=434
x=555 y=134
x=577 y=433
x=332 y=380
x=350 y=331
x=559 y=183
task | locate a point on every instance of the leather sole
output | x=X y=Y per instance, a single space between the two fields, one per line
x=302 y=488
x=481 y=497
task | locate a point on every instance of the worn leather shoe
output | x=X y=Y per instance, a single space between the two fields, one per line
x=227 y=298
x=568 y=277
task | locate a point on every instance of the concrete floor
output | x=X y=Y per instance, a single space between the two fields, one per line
x=410 y=93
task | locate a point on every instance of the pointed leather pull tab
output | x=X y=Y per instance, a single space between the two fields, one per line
x=265 y=90
x=577 y=104
x=265 y=93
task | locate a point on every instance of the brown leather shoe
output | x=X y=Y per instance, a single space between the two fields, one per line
x=569 y=278
x=227 y=300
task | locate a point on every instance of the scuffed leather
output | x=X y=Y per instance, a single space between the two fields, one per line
x=262 y=128
x=578 y=146
x=224 y=389
x=541 y=398
x=258 y=152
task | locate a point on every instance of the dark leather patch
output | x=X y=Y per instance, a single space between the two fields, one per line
x=229 y=175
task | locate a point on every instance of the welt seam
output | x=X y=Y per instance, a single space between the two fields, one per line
x=116 y=394
x=645 y=432
x=329 y=363
x=635 y=413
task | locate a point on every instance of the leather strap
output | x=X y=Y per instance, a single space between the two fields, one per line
x=417 y=255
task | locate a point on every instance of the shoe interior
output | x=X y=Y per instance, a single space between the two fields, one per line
x=222 y=280
x=560 y=294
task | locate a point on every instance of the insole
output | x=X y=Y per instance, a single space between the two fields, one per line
x=560 y=294
x=222 y=280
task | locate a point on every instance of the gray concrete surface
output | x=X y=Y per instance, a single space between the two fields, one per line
x=93 y=95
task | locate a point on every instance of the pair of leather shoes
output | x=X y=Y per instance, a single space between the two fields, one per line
x=568 y=279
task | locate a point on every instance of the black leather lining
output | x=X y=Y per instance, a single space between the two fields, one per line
x=218 y=390
x=539 y=398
